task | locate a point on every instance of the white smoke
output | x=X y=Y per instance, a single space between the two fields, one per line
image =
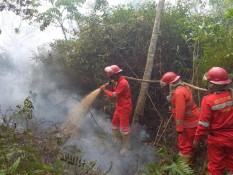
x=18 y=81
x=21 y=76
x=95 y=141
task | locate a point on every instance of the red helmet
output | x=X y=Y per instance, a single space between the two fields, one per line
x=169 y=78
x=112 y=70
x=217 y=75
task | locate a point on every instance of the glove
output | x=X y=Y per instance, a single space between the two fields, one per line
x=103 y=87
x=195 y=144
x=179 y=129
x=111 y=82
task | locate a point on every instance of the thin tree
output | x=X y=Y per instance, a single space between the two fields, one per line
x=139 y=110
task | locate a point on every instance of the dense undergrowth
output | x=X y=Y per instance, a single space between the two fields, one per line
x=27 y=147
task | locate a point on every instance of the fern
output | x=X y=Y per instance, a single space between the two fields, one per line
x=169 y=165
x=229 y=13
x=179 y=167
x=154 y=169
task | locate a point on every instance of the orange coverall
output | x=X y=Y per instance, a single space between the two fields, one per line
x=216 y=118
x=186 y=115
x=121 y=91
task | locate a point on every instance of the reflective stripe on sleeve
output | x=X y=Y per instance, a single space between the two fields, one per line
x=220 y=106
x=114 y=94
x=179 y=122
x=188 y=112
x=205 y=124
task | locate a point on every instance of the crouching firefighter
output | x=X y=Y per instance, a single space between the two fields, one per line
x=121 y=92
x=216 y=119
x=184 y=111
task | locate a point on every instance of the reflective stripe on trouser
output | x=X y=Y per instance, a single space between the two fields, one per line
x=121 y=120
x=185 y=141
x=220 y=155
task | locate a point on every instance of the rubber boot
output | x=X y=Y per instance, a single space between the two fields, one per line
x=191 y=159
x=115 y=135
x=114 y=139
x=187 y=159
x=125 y=145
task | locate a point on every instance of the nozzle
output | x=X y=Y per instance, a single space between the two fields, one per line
x=111 y=82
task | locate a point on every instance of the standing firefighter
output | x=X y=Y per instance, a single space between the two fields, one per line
x=184 y=111
x=216 y=119
x=121 y=92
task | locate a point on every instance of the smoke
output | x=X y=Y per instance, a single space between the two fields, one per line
x=95 y=141
x=21 y=77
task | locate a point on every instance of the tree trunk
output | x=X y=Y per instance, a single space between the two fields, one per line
x=139 y=110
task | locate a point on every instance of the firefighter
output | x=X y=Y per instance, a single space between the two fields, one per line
x=216 y=119
x=121 y=92
x=184 y=111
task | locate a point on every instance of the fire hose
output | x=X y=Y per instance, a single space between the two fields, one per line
x=158 y=81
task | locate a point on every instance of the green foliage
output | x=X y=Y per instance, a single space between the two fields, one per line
x=169 y=164
x=12 y=169
x=209 y=37
x=192 y=39
x=217 y=52
x=34 y=151
x=174 y=25
x=20 y=7
x=153 y=169
x=120 y=36
x=229 y=13
x=19 y=152
x=179 y=167
x=59 y=10
x=27 y=108
x=176 y=167
x=100 y=5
